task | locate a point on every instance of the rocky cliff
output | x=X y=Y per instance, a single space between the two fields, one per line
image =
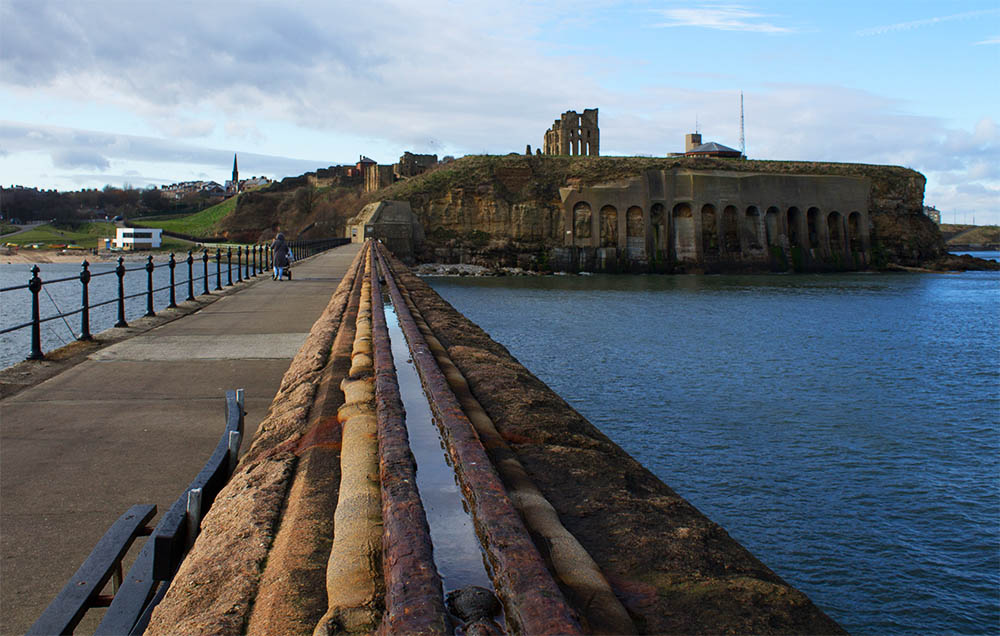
x=507 y=210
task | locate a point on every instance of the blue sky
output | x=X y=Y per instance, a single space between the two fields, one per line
x=112 y=91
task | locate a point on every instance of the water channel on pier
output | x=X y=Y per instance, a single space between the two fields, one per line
x=457 y=552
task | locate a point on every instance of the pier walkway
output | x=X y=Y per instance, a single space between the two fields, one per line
x=134 y=423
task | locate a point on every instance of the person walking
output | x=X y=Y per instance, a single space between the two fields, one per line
x=280 y=252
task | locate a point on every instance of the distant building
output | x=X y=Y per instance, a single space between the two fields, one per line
x=138 y=238
x=933 y=213
x=410 y=165
x=393 y=223
x=694 y=148
x=233 y=186
x=574 y=134
x=376 y=176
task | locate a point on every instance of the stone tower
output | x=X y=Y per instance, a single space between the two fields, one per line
x=574 y=134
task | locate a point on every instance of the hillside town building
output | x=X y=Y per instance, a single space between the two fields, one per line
x=138 y=238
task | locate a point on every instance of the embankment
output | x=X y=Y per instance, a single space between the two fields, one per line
x=258 y=565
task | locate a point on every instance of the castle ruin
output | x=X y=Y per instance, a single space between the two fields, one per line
x=574 y=134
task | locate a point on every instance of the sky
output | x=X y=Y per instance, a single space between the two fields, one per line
x=140 y=93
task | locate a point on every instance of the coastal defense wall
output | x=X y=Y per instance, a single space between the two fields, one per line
x=718 y=220
x=761 y=215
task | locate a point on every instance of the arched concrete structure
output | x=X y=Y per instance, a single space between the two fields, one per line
x=772 y=223
x=795 y=227
x=668 y=218
x=581 y=225
x=709 y=232
x=658 y=232
x=683 y=243
x=635 y=234
x=835 y=231
x=731 y=244
x=752 y=230
x=609 y=226
x=813 y=230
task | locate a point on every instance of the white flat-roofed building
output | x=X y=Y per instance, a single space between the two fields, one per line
x=138 y=238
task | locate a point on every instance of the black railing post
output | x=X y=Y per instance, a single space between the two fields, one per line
x=239 y=263
x=269 y=256
x=246 y=274
x=190 y=260
x=149 y=286
x=204 y=261
x=173 y=297
x=85 y=297
x=255 y=260
x=120 y=271
x=35 y=286
x=229 y=265
x=218 y=268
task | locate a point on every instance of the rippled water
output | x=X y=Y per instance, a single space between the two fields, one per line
x=846 y=429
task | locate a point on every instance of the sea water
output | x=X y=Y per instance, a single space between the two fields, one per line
x=844 y=428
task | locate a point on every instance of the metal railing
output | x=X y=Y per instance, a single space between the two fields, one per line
x=134 y=596
x=250 y=262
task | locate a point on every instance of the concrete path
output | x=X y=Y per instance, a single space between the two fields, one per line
x=135 y=422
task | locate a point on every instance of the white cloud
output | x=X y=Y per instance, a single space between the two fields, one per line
x=993 y=40
x=914 y=24
x=722 y=17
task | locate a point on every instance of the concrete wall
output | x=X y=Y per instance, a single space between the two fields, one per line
x=715 y=220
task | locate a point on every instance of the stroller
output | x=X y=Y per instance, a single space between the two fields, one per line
x=286 y=271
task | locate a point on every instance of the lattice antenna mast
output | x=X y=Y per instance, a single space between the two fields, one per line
x=743 y=141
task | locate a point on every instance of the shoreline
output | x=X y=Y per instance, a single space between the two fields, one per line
x=23 y=257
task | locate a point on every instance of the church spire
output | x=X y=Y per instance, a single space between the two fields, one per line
x=236 y=176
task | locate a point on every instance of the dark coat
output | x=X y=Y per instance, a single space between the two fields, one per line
x=280 y=251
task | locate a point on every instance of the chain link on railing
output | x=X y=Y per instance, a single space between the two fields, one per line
x=258 y=258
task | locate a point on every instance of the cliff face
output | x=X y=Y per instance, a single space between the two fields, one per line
x=508 y=211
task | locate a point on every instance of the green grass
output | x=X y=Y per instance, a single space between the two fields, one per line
x=7 y=228
x=86 y=235
x=198 y=224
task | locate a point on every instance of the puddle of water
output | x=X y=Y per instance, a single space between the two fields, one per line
x=457 y=554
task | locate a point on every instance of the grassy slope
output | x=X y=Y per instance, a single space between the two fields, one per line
x=971 y=234
x=201 y=224
x=86 y=236
x=549 y=173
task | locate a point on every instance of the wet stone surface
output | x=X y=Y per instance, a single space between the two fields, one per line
x=473 y=603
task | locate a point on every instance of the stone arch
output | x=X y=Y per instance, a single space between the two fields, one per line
x=794 y=227
x=633 y=222
x=835 y=230
x=731 y=230
x=751 y=228
x=855 y=232
x=683 y=239
x=813 y=229
x=609 y=226
x=582 y=223
x=658 y=226
x=709 y=230
x=772 y=225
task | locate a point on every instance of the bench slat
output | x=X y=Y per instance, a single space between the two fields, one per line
x=69 y=606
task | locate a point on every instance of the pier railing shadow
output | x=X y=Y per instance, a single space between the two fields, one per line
x=250 y=262
x=134 y=596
